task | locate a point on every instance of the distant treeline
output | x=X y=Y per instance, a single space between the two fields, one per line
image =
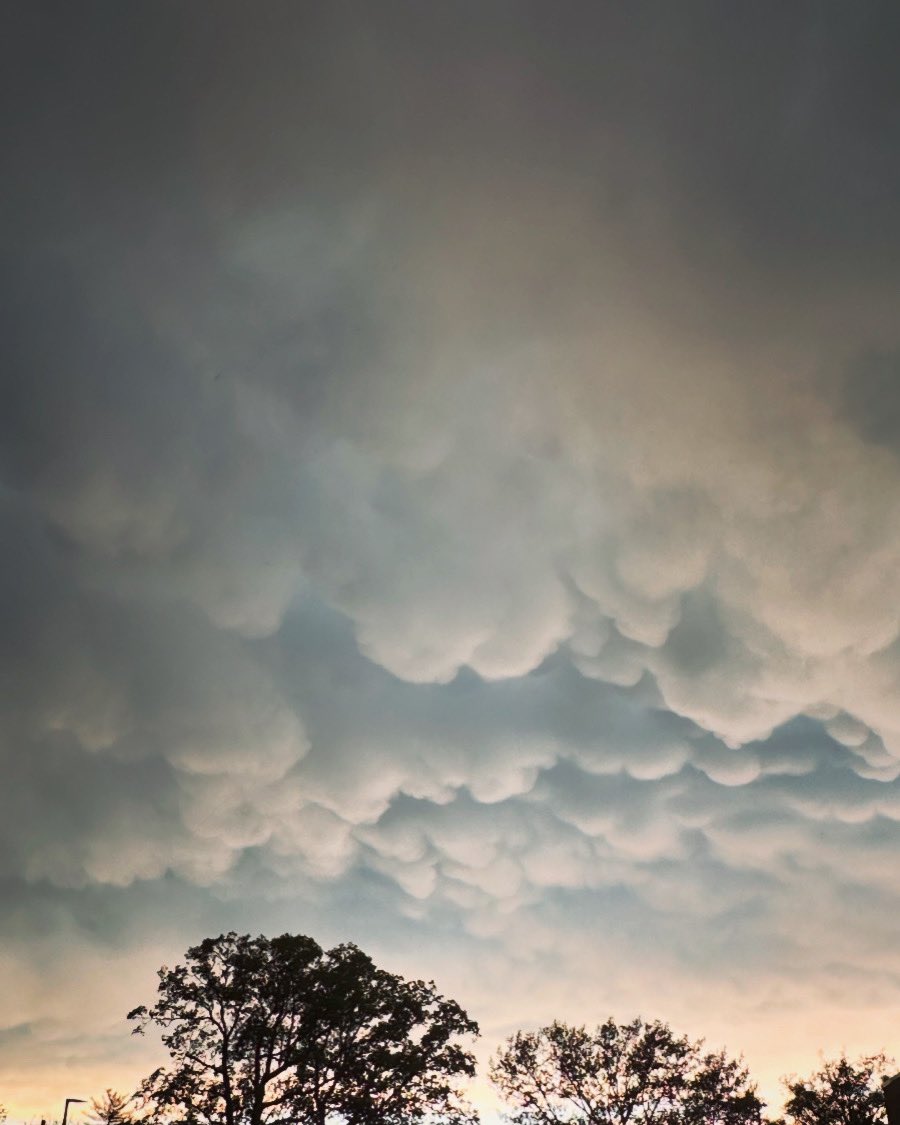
x=279 y=1031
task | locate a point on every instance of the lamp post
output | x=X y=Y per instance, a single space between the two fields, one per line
x=69 y=1101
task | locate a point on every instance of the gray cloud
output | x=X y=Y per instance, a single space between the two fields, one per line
x=448 y=484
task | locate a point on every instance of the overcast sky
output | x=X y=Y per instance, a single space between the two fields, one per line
x=450 y=501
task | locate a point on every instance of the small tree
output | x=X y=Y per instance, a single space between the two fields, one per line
x=279 y=1032
x=620 y=1074
x=841 y=1093
x=111 y=1109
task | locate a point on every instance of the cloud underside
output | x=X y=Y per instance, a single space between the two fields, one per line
x=460 y=516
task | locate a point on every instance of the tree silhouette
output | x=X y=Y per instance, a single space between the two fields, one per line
x=840 y=1093
x=621 y=1074
x=275 y=1031
x=111 y=1109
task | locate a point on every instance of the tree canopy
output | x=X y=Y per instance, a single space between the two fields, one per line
x=621 y=1074
x=840 y=1093
x=279 y=1031
x=275 y=1031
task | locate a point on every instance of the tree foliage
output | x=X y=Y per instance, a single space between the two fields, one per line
x=111 y=1109
x=841 y=1093
x=621 y=1074
x=275 y=1031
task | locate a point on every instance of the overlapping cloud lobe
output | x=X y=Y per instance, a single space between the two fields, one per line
x=450 y=496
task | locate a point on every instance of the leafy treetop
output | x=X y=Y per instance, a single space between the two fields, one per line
x=621 y=1074
x=840 y=1093
x=279 y=1032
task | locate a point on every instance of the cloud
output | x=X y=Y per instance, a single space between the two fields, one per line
x=448 y=490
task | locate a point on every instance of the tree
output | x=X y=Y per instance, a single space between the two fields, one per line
x=841 y=1093
x=621 y=1074
x=111 y=1109
x=275 y=1031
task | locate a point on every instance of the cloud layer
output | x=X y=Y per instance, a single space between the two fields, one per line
x=449 y=487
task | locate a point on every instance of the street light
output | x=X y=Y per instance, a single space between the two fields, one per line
x=69 y=1101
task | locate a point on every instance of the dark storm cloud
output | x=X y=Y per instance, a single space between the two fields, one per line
x=870 y=397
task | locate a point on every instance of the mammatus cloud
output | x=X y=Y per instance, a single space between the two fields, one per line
x=449 y=497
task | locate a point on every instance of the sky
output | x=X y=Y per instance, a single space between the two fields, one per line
x=450 y=502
